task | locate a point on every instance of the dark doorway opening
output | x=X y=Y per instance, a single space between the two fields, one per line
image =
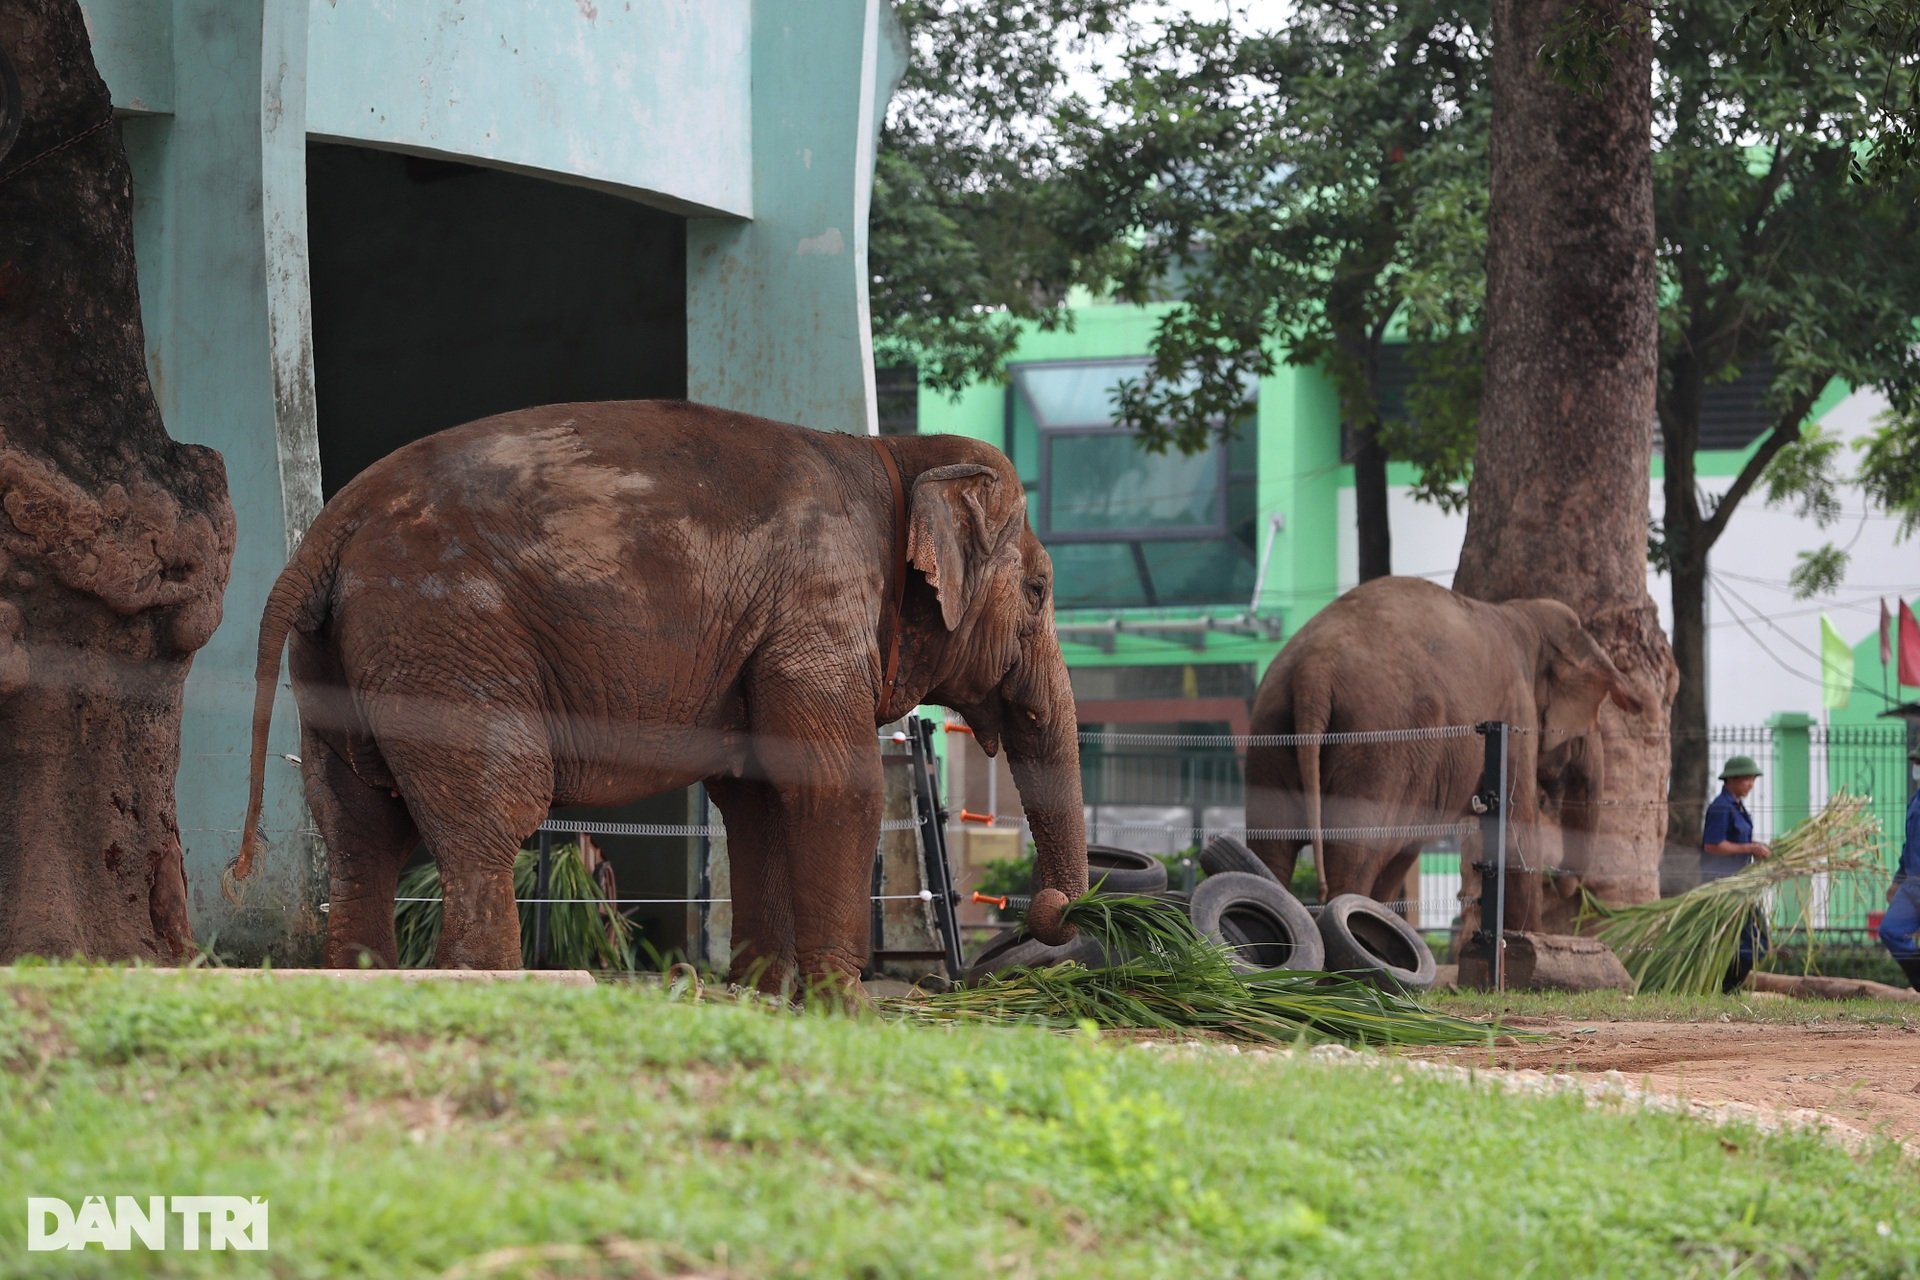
x=444 y=292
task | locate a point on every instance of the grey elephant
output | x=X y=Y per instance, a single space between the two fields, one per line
x=1403 y=654
x=591 y=603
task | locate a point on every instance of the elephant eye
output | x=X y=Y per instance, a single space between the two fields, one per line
x=1036 y=593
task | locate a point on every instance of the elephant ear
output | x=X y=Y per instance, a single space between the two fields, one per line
x=949 y=532
x=1580 y=678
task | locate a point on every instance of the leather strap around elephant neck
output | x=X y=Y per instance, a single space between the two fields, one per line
x=890 y=615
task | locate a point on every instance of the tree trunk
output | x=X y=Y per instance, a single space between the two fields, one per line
x=1558 y=500
x=1371 y=523
x=114 y=540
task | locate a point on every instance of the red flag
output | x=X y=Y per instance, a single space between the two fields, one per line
x=1909 y=646
x=1886 y=633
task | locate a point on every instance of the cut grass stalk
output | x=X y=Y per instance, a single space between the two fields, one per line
x=1173 y=980
x=1685 y=945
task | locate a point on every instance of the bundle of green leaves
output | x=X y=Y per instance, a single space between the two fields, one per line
x=1684 y=945
x=1173 y=980
x=584 y=930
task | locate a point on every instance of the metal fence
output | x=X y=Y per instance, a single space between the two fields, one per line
x=1166 y=800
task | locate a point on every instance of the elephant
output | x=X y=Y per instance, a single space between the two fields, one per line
x=1402 y=654
x=591 y=603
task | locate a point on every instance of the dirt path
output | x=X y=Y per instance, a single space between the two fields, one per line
x=1864 y=1077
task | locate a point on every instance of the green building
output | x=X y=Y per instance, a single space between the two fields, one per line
x=1179 y=578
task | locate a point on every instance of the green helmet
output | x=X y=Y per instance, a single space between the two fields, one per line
x=1740 y=767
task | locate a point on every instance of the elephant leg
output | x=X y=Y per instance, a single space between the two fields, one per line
x=1351 y=867
x=478 y=782
x=369 y=835
x=821 y=758
x=1390 y=885
x=762 y=894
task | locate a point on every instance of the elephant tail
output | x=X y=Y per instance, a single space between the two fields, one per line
x=1311 y=714
x=299 y=598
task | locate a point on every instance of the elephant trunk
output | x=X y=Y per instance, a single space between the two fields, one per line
x=1043 y=750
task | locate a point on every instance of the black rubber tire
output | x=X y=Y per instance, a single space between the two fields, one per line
x=1124 y=871
x=1018 y=949
x=1266 y=926
x=1369 y=942
x=1226 y=853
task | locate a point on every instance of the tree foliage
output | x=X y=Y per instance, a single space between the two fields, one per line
x=1795 y=28
x=964 y=241
x=1301 y=193
x=1773 y=257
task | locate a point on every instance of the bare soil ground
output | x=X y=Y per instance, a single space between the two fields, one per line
x=1861 y=1077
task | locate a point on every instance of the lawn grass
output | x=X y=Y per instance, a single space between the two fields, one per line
x=1617 y=1006
x=399 y=1130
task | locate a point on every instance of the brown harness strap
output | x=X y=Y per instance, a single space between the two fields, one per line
x=890 y=619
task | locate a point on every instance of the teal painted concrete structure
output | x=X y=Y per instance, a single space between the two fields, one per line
x=752 y=120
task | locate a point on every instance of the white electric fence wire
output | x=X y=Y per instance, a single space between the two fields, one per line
x=1374 y=736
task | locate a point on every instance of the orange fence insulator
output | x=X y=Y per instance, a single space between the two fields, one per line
x=984 y=819
x=990 y=900
x=954 y=726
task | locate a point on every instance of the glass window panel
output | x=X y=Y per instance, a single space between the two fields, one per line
x=1095 y=574
x=1244 y=455
x=1200 y=572
x=1105 y=482
x=1073 y=395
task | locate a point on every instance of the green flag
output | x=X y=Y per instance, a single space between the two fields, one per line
x=1836 y=662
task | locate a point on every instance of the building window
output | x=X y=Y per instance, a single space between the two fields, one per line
x=1126 y=527
x=897 y=390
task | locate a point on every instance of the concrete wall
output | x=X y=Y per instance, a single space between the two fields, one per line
x=647 y=97
x=777 y=320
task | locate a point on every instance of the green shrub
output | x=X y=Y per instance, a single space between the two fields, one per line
x=1002 y=876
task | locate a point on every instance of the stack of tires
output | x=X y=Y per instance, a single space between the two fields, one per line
x=1244 y=907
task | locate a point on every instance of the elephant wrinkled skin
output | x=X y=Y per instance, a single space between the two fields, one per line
x=591 y=603
x=1403 y=653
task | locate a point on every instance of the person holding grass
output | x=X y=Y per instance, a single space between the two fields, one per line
x=1726 y=846
x=1901 y=923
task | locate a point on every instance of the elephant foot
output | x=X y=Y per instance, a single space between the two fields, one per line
x=478 y=953
x=831 y=982
x=835 y=993
x=769 y=975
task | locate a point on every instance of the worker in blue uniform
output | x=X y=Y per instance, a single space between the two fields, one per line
x=1726 y=846
x=1902 y=920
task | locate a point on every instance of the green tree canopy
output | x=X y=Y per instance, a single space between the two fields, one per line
x=963 y=241
x=1301 y=193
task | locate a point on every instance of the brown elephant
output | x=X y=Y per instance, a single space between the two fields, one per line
x=592 y=603
x=1403 y=653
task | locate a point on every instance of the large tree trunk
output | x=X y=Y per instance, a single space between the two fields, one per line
x=1371 y=521
x=114 y=540
x=1558 y=501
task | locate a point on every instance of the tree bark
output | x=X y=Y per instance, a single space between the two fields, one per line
x=1371 y=522
x=1558 y=500
x=115 y=541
